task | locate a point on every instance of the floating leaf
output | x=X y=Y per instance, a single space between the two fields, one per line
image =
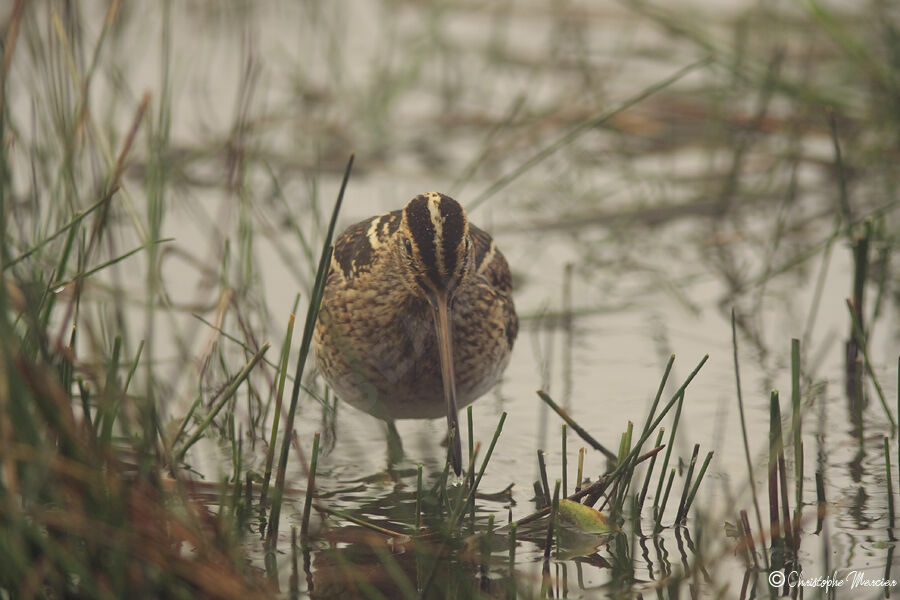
x=585 y=518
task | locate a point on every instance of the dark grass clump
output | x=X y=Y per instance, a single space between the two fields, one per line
x=83 y=513
x=91 y=505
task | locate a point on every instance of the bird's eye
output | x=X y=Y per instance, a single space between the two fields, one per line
x=407 y=245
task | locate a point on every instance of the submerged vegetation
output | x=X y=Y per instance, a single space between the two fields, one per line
x=162 y=433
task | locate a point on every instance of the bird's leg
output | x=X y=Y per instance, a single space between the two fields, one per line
x=394 y=445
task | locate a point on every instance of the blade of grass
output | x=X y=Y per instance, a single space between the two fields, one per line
x=785 y=507
x=862 y=343
x=109 y=263
x=134 y=365
x=649 y=474
x=740 y=399
x=656 y=399
x=554 y=510
x=580 y=472
x=749 y=536
x=696 y=486
x=308 y=328
x=418 y=498
x=226 y=396
x=310 y=491
x=890 y=483
x=665 y=500
x=821 y=506
x=111 y=396
x=775 y=444
x=578 y=428
x=487 y=456
x=9 y=46
x=580 y=129
x=796 y=421
x=565 y=485
x=665 y=464
x=542 y=469
x=680 y=515
x=73 y=222
x=276 y=417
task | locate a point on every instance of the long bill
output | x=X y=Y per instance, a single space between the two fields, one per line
x=444 y=333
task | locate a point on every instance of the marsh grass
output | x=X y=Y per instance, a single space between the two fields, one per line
x=117 y=390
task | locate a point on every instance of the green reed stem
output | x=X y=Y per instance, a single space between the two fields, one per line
x=276 y=417
x=607 y=479
x=236 y=460
x=740 y=399
x=111 y=397
x=247 y=348
x=308 y=328
x=821 y=506
x=512 y=547
x=73 y=223
x=796 y=421
x=624 y=453
x=471 y=435
x=310 y=490
x=665 y=463
x=404 y=587
x=565 y=465
x=418 y=497
x=665 y=500
x=111 y=262
x=775 y=444
x=862 y=343
x=580 y=129
x=633 y=456
x=458 y=508
x=578 y=428
x=649 y=474
x=749 y=537
x=487 y=542
x=484 y=463
x=294 y=583
x=134 y=365
x=542 y=469
x=554 y=510
x=890 y=483
x=680 y=514
x=470 y=475
x=580 y=472
x=361 y=522
x=785 y=508
x=656 y=399
x=625 y=442
x=696 y=486
x=226 y=396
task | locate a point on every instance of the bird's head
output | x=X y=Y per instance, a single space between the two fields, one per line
x=433 y=246
x=435 y=257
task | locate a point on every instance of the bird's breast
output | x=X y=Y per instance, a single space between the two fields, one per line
x=377 y=347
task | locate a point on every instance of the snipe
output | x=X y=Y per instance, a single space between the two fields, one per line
x=417 y=319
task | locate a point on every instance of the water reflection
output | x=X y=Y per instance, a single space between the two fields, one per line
x=631 y=241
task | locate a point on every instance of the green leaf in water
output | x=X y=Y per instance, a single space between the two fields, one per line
x=585 y=518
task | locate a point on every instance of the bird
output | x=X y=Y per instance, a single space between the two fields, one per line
x=417 y=319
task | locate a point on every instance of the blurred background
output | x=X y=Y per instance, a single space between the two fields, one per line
x=646 y=168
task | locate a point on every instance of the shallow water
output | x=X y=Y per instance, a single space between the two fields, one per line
x=661 y=248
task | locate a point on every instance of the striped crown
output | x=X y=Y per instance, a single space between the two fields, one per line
x=437 y=239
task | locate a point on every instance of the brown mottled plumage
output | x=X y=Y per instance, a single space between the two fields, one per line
x=379 y=335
